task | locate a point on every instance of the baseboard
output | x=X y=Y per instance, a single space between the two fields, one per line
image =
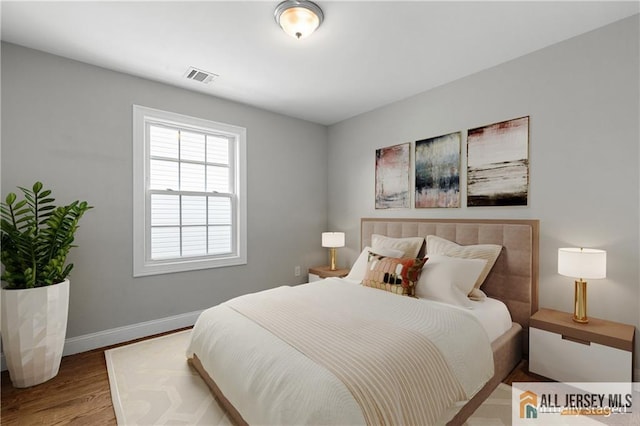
x=114 y=336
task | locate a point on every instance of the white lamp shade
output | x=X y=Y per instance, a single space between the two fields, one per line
x=333 y=239
x=582 y=263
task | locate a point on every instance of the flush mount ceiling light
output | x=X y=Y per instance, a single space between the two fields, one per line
x=298 y=18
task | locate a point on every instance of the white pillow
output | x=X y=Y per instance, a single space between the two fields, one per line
x=449 y=279
x=359 y=268
x=487 y=252
x=410 y=245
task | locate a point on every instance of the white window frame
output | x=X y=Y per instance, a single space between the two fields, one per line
x=142 y=263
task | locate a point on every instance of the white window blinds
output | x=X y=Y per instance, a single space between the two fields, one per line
x=192 y=196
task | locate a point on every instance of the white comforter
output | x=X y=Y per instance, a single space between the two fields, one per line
x=269 y=382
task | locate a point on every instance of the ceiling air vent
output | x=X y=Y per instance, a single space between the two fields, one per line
x=195 y=74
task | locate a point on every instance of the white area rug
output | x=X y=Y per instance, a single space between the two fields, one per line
x=152 y=384
x=495 y=410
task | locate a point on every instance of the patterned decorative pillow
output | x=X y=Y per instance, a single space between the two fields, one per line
x=359 y=267
x=397 y=275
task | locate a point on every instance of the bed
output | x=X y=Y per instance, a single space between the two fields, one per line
x=268 y=364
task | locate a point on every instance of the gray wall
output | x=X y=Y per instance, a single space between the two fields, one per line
x=582 y=97
x=69 y=124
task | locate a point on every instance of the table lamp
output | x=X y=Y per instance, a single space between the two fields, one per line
x=332 y=240
x=582 y=263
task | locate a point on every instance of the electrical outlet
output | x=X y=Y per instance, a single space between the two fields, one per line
x=296 y=271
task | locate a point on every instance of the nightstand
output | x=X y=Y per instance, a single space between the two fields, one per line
x=317 y=273
x=566 y=351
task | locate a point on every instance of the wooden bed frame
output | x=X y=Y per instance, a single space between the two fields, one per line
x=513 y=280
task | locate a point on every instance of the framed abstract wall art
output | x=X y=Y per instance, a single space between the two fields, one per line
x=392 y=177
x=437 y=163
x=498 y=164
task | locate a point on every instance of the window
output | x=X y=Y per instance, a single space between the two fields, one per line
x=189 y=180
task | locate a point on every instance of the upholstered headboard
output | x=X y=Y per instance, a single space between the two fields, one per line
x=514 y=277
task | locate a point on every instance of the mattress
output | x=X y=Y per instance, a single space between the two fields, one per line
x=268 y=381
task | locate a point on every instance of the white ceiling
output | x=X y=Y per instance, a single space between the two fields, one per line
x=366 y=53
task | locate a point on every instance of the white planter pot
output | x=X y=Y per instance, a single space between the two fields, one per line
x=34 y=326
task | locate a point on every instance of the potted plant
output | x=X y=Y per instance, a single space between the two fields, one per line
x=36 y=239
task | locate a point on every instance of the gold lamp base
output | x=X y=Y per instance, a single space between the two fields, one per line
x=580 y=302
x=332 y=258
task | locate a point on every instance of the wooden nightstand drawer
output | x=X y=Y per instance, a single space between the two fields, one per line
x=567 y=359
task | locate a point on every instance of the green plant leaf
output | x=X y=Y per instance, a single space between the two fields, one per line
x=37 y=237
x=21 y=211
x=20 y=204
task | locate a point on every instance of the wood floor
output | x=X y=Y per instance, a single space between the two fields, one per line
x=80 y=394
